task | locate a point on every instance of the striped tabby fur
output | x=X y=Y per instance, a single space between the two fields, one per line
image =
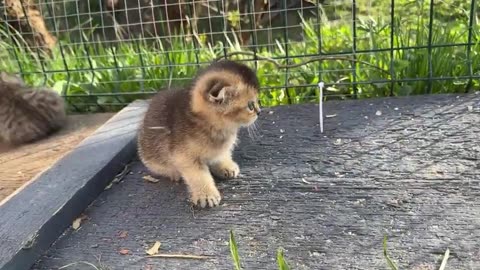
x=28 y=114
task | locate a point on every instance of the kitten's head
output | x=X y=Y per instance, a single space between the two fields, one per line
x=227 y=92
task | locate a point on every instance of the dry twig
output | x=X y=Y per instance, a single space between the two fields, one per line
x=179 y=256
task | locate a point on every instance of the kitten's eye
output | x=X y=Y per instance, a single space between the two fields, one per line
x=251 y=105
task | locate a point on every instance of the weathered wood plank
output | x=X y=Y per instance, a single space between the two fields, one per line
x=411 y=173
x=33 y=218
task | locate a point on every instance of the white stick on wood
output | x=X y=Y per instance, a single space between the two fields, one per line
x=320 y=107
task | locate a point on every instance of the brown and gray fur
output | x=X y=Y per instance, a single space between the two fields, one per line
x=190 y=133
x=28 y=114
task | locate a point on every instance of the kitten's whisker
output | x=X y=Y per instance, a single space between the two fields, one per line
x=160 y=128
x=252 y=131
x=156 y=127
x=249 y=132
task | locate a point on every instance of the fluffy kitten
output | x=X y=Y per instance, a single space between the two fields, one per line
x=190 y=133
x=28 y=114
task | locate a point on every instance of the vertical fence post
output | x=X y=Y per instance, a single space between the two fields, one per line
x=287 y=57
x=12 y=38
x=354 y=49
x=473 y=7
x=221 y=9
x=318 y=31
x=392 y=47
x=37 y=50
x=430 y=48
x=253 y=27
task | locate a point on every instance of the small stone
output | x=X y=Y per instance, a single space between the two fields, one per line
x=315 y=254
x=282 y=131
x=378 y=113
x=359 y=201
x=470 y=108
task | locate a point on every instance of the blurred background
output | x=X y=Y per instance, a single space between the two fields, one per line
x=102 y=54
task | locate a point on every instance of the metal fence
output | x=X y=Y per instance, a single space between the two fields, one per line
x=103 y=54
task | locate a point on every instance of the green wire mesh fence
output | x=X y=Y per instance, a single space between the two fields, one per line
x=102 y=54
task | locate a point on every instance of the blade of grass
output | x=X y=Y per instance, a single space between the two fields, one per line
x=390 y=263
x=282 y=264
x=445 y=259
x=234 y=252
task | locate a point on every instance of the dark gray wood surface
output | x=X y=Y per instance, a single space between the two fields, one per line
x=411 y=173
x=35 y=217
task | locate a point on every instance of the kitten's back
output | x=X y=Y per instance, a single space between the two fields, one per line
x=163 y=121
x=28 y=114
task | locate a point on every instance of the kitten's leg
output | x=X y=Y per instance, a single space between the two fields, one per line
x=163 y=170
x=200 y=183
x=225 y=167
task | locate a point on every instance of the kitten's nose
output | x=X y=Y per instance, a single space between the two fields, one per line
x=258 y=111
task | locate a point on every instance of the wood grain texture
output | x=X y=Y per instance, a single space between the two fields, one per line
x=32 y=219
x=20 y=164
x=411 y=173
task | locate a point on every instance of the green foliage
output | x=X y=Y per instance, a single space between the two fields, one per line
x=282 y=264
x=234 y=252
x=390 y=263
x=93 y=73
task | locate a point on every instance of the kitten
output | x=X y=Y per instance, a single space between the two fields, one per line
x=190 y=133
x=28 y=114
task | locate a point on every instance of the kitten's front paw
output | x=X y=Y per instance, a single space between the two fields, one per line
x=175 y=177
x=206 y=197
x=226 y=169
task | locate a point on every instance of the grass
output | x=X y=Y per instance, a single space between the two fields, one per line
x=392 y=266
x=281 y=262
x=108 y=77
x=234 y=252
x=390 y=262
x=283 y=265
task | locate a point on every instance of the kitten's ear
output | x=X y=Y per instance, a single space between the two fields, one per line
x=220 y=92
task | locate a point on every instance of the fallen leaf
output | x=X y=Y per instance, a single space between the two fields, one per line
x=305 y=181
x=76 y=223
x=124 y=251
x=154 y=249
x=119 y=177
x=122 y=234
x=150 y=179
x=330 y=115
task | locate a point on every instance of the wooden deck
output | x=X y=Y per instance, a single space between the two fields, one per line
x=407 y=168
